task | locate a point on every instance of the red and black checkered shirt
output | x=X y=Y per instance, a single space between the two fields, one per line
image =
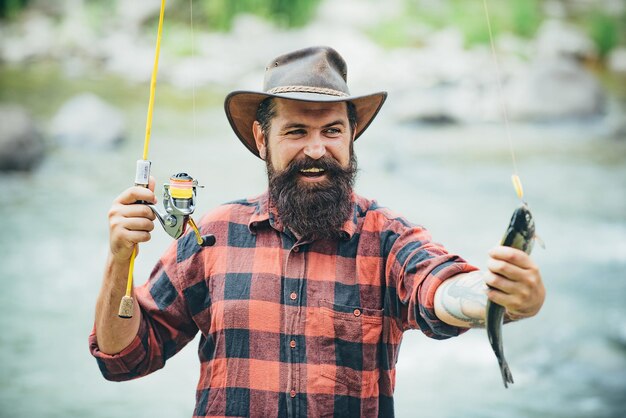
x=290 y=328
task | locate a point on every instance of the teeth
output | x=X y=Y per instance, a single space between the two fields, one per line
x=312 y=170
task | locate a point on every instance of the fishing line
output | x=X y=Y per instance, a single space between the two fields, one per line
x=517 y=184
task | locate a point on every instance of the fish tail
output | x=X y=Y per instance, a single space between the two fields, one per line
x=507 y=376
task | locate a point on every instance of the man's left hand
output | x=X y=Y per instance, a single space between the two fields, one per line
x=515 y=282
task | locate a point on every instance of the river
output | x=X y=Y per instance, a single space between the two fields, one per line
x=569 y=361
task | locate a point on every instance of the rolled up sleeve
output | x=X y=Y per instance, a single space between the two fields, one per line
x=166 y=325
x=417 y=267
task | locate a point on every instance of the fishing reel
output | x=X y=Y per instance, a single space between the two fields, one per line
x=179 y=202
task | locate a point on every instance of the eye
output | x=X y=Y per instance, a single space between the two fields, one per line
x=295 y=132
x=333 y=131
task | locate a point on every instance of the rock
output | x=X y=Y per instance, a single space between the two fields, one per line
x=555 y=88
x=423 y=105
x=557 y=38
x=130 y=57
x=35 y=38
x=75 y=38
x=134 y=13
x=87 y=121
x=21 y=146
x=617 y=60
x=359 y=13
x=444 y=83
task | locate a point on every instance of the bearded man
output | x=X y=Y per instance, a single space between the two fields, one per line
x=304 y=298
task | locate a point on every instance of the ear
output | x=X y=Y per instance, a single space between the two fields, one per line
x=354 y=132
x=259 y=139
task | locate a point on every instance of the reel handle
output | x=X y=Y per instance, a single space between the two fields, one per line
x=208 y=240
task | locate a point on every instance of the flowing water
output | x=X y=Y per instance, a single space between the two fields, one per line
x=569 y=361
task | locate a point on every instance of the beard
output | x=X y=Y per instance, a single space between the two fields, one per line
x=313 y=210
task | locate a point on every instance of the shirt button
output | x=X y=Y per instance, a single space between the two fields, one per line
x=357 y=312
x=293 y=296
x=292 y=344
x=292 y=393
x=296 y=249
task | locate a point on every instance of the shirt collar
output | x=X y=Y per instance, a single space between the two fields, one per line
x=267 y=214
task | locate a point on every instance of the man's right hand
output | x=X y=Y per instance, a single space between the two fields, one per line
x=130 y=222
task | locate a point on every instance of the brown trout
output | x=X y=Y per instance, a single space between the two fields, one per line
x=520 y=234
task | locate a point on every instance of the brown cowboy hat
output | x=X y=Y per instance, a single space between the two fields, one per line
x=316 y=74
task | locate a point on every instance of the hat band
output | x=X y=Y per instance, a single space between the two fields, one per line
x=307 y=89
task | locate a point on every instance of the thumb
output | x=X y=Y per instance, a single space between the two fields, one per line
x=151 y=185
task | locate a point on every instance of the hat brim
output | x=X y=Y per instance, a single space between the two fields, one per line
x=241 y=107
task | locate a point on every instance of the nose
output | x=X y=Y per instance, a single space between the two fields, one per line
x=315 y=147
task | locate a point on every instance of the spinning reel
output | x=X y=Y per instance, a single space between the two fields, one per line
x=179 y=202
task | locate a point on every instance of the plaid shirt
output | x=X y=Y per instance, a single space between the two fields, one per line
x=290 y=328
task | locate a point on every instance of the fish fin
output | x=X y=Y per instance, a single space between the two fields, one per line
x=507 y=376
x=540 y=241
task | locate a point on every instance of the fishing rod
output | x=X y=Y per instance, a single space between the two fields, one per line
x=179 y=196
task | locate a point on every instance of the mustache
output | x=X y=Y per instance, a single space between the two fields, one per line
x=327 y=163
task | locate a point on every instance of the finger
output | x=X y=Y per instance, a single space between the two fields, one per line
x=502 y=298
x=500 y=283
x=136 y=237
x=519 y=302
x=506 y=269
x=514 y=296
x=128 y=237
x=135 y=193
x=137 y=224
x=151 y=184
x=513 y=256
x=135 y=211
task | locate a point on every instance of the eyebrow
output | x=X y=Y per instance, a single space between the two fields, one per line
x=337 y=122
x=301 y=125
x=292 y=126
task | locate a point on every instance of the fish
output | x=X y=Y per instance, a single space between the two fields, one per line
x=519 y=234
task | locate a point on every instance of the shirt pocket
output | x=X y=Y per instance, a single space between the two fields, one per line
x=349 y=349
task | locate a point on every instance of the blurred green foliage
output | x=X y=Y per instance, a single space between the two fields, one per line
x=219 y=14
x=9 y=8
x=521 y=17
x=605 y=30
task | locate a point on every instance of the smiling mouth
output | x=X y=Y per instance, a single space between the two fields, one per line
x=312 y=172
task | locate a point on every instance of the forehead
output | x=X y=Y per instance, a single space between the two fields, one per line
x=293 y=108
